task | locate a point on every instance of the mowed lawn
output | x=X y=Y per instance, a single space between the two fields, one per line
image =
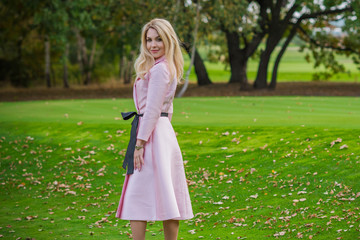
x=258 y=168
x=293 y=67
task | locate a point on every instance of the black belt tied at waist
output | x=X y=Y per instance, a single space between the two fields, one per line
x=129 y=156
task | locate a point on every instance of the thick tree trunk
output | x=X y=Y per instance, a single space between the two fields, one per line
x=275 y=35
x=200 y=70
x=276 y=30
x=66 y=57
x=238 y=60
x=47 y=62
x=238 y=67
x=261 y=77
x=242 y=72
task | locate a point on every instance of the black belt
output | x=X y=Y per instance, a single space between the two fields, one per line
x=129 y=156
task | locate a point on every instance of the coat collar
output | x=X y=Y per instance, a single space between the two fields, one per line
x=161 y=59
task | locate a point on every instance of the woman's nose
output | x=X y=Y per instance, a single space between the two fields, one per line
x=153 y=44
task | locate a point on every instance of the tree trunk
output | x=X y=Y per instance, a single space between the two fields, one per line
x=85 y=61
x=261 y=77
x=47 y=62
x=275 y=34
x=121 y=61
x=177 y=7
x=129 y=63
x=91 y=62
x=127 y=71
x=200 y=70
x=79 y=58
x=280 y=54
x=129 y=67
x=193 y=50
x=65 y=60
x=53 y=75
x=276 y=30
x=122 y=67
x=238 y=60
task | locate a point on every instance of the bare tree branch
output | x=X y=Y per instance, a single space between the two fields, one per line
x=326 y=12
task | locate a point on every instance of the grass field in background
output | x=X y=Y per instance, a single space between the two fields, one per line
x=258 y=168
x=338 y=112
x=293 y=67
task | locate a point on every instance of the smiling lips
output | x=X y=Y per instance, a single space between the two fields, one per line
x=154 y=51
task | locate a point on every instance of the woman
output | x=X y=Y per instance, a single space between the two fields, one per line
x=156 y=188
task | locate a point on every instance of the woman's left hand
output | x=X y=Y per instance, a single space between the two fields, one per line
x=139 y=155
x=139 y=159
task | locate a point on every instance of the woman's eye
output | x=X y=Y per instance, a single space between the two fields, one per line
x=148 y=40
x=159 y=39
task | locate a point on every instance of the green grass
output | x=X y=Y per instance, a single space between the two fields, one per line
x=293 y=67
x=245 y=174
x=338 y=112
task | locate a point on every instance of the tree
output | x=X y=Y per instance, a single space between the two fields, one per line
x=129 y=19
x=240 y=23
x=284 y=14
x=90 y=20
x=197 y=20
x=50 y=21
x=184 y=26
x=246 y=24
x=16 y=28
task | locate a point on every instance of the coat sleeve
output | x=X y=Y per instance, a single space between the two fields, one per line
x=159 y=80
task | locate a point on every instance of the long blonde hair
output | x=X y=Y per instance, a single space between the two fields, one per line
x=173 y=53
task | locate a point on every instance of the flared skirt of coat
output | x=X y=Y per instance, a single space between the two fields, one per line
x=159 y=191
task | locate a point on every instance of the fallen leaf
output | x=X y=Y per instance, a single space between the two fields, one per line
x=344 y=146
x=338 y=140
x=254 y=196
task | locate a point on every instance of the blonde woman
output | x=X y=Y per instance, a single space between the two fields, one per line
x=155 y=186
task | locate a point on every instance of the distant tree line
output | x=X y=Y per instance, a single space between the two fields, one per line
x=85 y=40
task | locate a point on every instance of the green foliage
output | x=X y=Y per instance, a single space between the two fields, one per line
x=325 y=46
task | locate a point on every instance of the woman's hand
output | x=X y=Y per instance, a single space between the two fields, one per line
x=139 y=155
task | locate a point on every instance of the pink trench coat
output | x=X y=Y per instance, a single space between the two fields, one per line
x=159 y=191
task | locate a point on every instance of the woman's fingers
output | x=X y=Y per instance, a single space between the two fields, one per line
x=138 y=159
x=142 y=160
x=138 y=164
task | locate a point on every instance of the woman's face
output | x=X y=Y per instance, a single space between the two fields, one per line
x=154 y=44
